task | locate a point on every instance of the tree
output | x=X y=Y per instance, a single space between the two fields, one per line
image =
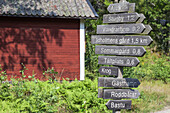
x=157 y=13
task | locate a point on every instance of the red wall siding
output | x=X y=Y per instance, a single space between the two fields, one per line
x=40 y=44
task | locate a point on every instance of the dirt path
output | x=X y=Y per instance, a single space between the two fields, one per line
x=165 y=110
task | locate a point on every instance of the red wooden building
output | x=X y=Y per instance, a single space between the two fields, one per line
x=42 y=34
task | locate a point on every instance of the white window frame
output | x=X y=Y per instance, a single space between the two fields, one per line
x=82 y=50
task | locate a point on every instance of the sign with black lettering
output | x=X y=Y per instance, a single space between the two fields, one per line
x=118 y=82
x=120 y=18
x=118 y=61
x=120 y=29
x=119 y=93
x=108 y=71
x=120 y=50
x=121 y=7
x=121 y=40
x=118 y=104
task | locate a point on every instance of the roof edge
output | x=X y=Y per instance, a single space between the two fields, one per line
x=37 y=16
x=96 y=15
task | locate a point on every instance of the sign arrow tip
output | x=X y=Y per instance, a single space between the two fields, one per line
x=147 y=29
x=141 y=19
x=137 y=61
x=151 y=40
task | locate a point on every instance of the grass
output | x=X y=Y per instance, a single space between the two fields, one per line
x=154 y=97
x=157 y=87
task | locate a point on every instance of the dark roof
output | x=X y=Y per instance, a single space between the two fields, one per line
x=48 y=8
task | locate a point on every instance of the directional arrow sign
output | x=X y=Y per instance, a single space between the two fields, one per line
x=141 y=19
x=120 y=50
x=108 y=70
x=147 y=29
x=118 y=61
x=121 y=40
x=131 y=7
x=120 y=29
x=120 y=7
x=118 y=82
x=120 y=18
x=118 y=104
x=119 y=93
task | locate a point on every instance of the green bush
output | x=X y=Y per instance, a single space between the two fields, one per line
x=50 y=96
x=21 y=96
x=157 y=16
x=75 y=97
x=152 y=66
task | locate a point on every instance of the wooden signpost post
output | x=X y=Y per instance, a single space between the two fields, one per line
x=126 y=29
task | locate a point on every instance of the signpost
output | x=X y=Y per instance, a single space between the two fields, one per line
x=120 y=50
x=120 y=29
x=118 y=61
x=118 y=82
x=133 y=32
x=141 y=19
x=118 y=104
x=108 y=71
x=147 y=30
x=120 y=7
x=121 y=40
x=119 y=93
x=120 y=18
